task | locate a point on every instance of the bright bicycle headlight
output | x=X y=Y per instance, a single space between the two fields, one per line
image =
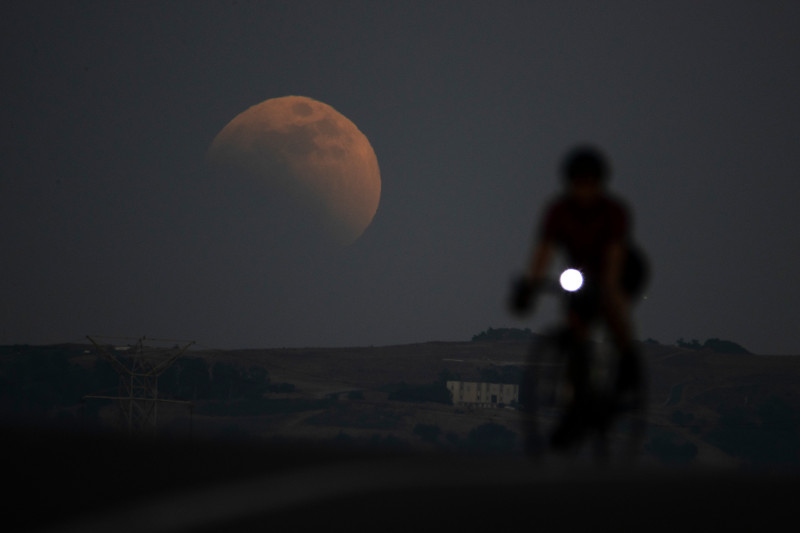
x=571 y=280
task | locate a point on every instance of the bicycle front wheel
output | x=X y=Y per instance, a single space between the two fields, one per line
x=545 y=391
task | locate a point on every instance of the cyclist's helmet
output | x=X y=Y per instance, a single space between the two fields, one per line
x=585 y=161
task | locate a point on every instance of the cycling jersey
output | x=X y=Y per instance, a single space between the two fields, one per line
x=585 y=232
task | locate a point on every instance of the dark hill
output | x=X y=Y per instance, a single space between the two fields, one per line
x=302 y=437
x=374 y=396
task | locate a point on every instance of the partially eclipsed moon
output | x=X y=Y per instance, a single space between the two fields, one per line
x=311 y=156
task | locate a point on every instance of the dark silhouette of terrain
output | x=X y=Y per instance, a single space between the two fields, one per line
x=706 y=407
x=63 y=481
x=363 y=435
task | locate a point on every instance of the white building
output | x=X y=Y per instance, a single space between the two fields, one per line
x=482 y=394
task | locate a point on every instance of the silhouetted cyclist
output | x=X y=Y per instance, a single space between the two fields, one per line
x=592 y=228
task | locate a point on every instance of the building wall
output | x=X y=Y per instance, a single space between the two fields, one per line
x=482 y=394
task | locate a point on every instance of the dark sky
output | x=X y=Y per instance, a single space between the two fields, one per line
x=112 y=224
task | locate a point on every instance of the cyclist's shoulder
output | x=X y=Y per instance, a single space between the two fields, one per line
x=559 y=203
x=606 y=203
x=615 y=202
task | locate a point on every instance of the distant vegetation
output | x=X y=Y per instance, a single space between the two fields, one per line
x=429 y=392
x=752 y=418
x=428 y=432
x=488 y=437
x=714 y=345
x=192 y=378
x=43 y=381
x=263 y=406
x=504 y=334
x=765 y=432
x=360 y=417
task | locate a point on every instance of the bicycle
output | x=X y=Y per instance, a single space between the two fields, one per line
x=570 y=397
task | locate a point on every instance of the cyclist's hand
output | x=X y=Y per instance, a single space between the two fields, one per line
x=523 y=295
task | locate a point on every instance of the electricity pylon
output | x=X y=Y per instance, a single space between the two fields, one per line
x=138 y=371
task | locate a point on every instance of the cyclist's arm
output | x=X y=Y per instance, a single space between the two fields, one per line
x=540 y=261
x=615 y=255
x=617 y=310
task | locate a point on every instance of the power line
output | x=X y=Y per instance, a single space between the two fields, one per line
x=138 y=372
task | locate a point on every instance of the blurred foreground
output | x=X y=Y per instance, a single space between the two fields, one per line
x=64 y=481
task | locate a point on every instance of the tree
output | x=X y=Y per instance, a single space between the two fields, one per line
x=714 y=345
x=193 y=379
x=723 y=346
x=492 y=334
x=432 y=392
x=693 y=345
x=225 y=381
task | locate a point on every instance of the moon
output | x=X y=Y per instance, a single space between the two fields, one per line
x=309 y=158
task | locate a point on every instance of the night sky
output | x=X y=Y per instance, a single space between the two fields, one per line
x=112 y=223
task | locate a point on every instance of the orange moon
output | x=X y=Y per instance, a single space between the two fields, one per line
x=308 y=155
